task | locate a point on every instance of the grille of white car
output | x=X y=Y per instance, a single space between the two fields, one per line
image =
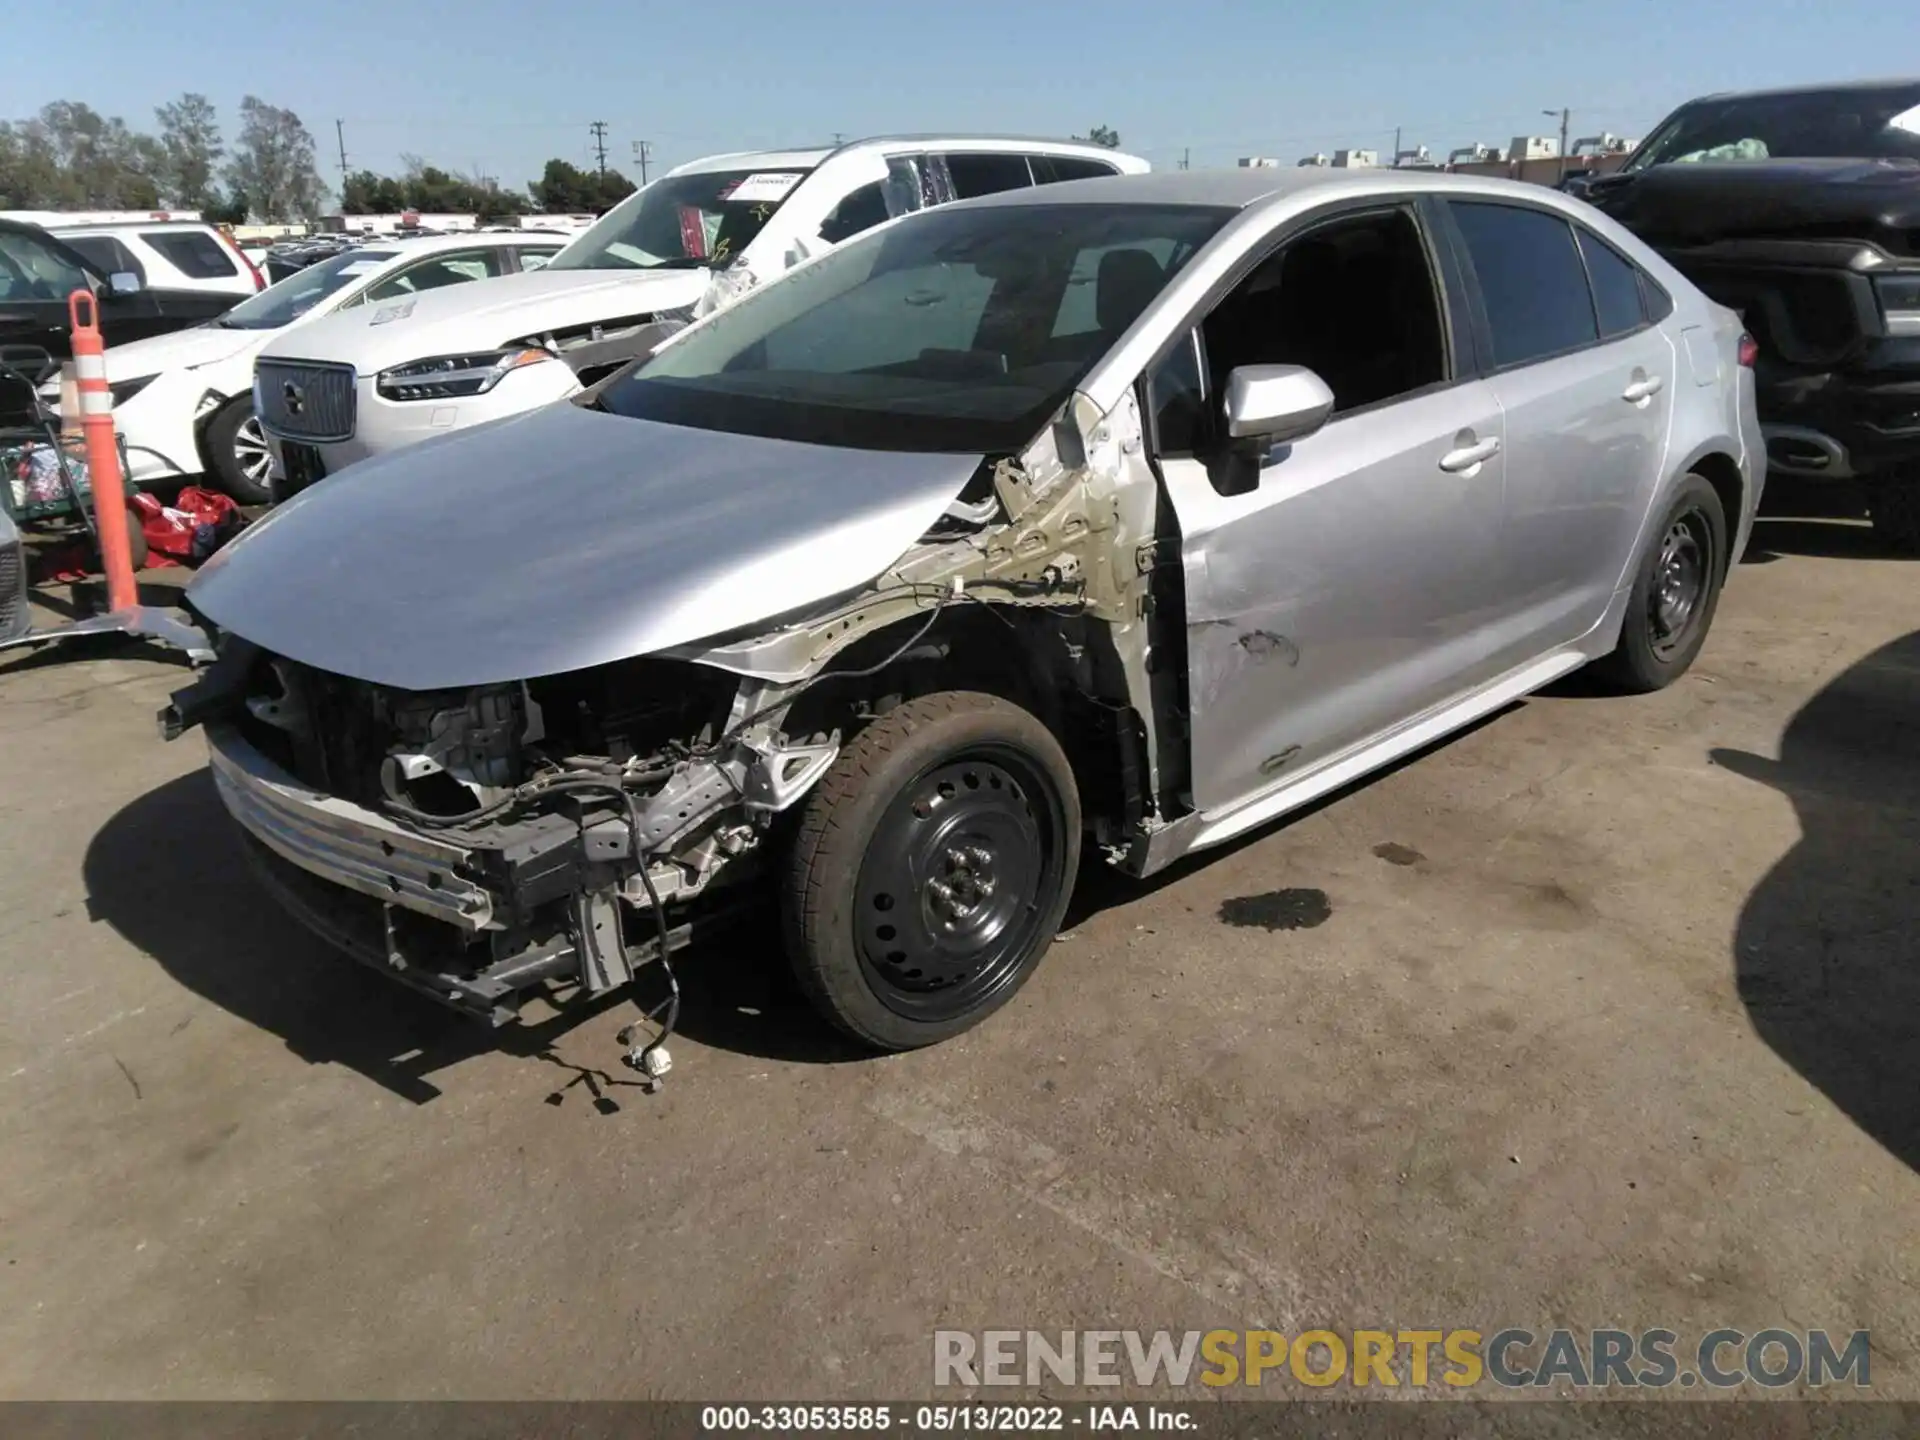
x=305 y=401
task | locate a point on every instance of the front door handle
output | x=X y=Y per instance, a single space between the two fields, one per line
x=1466 y=457
x=1643 y=389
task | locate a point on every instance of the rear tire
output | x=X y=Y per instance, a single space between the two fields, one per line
x=237 y=451
x=1676 y=589
x=931 y=869
x=1895 y=508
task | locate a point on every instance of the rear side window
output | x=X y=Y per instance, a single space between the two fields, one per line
x=1531 y=279
x=108 y=255
x=1616 y=286
x=194 y=253
x=1047 y=169
x=987 y=174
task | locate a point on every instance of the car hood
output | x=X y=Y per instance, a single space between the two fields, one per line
x=483 y=315
x=179 y=350
x=560 y=539
x=1694 y=203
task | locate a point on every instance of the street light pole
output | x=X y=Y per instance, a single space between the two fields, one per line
x=1565 y=117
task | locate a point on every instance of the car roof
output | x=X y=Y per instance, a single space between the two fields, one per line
x=82 y=226
x=1838 y=87
x=810 y=157
x=1243 y=188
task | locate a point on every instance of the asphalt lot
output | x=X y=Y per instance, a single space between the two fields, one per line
x=1603 y=1013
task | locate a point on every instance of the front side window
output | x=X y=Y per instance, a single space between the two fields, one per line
x=858 y=210
x=32 y=270
x=456 y=267
x=1616 y=286
x=1531 y=280
x=287 y=300
x=1868 y=122
x=536 y=259
x=938 y=334
x=682 y=222
x=194 y=253
x=1353 y=300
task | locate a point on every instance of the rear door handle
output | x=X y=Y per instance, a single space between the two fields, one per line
x=1642 y=389
x=1468 y=456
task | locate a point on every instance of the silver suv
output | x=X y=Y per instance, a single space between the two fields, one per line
x=1130 y=513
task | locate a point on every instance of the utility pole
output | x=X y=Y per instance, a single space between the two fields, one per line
x=1186 y=158
x=642 y=150
x=1565 y=117
x=599 y=129
x=1396 y=146
x=340 y=134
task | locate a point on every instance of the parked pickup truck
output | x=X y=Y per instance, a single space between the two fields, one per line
x=1801 y=210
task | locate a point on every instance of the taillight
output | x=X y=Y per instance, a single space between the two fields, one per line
x=259 y=280
x=1749 y=351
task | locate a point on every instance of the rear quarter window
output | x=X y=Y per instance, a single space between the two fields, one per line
x=1048 y=169
x=194 y=253
x=1616 y=286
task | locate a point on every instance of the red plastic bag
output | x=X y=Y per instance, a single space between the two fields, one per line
x=192 y=528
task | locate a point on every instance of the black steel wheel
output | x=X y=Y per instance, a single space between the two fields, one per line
x=931 y=869
x=1675 y=592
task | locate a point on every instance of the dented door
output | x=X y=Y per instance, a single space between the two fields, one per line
x=1345 y=594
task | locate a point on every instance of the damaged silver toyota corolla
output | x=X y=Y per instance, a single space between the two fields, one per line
x=1137 y=510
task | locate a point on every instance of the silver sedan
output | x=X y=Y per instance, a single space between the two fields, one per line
x=1136 y=512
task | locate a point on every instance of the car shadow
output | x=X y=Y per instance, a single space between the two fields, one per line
x=1827 y=948
x=168 y=874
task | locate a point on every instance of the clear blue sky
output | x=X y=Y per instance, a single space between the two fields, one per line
x=503 y=84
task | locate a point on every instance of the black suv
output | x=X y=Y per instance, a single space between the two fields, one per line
x=1801 y=210
x=38 y=273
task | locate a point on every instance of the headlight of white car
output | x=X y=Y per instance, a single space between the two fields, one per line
x=450 y=377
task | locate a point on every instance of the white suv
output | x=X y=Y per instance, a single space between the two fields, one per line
x=168 y=255
x=368 y=381
x=183 y=402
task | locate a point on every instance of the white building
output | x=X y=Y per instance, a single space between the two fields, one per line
x=1355 y=159
x=1257 y=162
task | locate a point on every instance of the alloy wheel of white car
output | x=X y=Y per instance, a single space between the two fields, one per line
x=250 y=451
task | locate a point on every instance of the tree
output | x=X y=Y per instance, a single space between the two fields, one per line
x=1102 y=135
x=273 y=164
x=565 y=189
x=190 y=140
x=71 y=157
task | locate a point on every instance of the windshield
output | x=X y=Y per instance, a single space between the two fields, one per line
x=1862 y=123
x=287 y=300
x=682 y=222
x=957 y=330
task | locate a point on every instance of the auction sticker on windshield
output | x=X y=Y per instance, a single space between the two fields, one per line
x=763 y=186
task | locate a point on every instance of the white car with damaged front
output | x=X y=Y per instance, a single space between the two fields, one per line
x=370 y=382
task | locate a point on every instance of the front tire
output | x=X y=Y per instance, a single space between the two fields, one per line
x=1676 y=590
x=237 y=450
x=931 y=870
x=1894 y=506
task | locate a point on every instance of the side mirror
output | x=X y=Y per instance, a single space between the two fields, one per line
x=1273 y=404
x=124 y=282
